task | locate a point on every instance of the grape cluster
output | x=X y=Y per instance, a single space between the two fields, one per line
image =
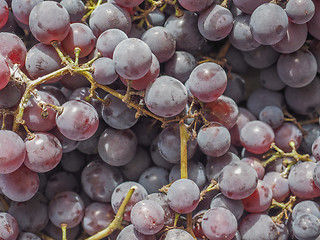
x=168 y=119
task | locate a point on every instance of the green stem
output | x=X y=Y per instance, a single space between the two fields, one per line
x=184 y=136
x=64 y=231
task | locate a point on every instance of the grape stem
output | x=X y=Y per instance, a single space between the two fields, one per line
x=281 y=154
x=285 y=208
x=117 y=221
x=64 y=231
x=184 y=136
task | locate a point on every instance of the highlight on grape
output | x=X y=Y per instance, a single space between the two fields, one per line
x=159 y=119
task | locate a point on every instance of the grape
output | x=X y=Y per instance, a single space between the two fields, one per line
x=22 y=9
x=4 y=13
x=315 y=50
x=258 y=226
x=232 y=182
x=261 y=97
x=291 y=74
x=153 y=179
x=116 y=113
x=196 y=173
x=66 y=207
x=59 y=182
x=109 y=15
x=260 y=200
x=240 y=36
x=75 y=8
x=261 y=57
x=97 y=216
x=272 y=115
x=313 y=131
x=156 y=155
x=104 y=71
x=108 y=40
x=143 y=82
x=49 y=21
x=28 y=219
x=219 y=223
x=308 y=100
x=223 y=110
x=215 y=23
x=147 y=217
x=256 y=164
x=313 y=27
x=306 y=207
x=269 y=78
x=73 y=161
x=263 y=27
x=128 y=3
x=180 y=65
x=301 y=181
x=257 y=136
x=28 y=236
x=214 y=140
x=161 y=42
x=81 y=36
x=20 y=185
x=44 y=152
x=11 y=25
x=55 y=91
x=173 y=96
x=12 y=151
x=248 y=6
x=185 y=31
x=176 y=234
x=78 y=120
x=195 y=6
x=316 y=149
x=286 y=133
x=306 y=226
x=215 y=165
x=293 y=40
x=279 y=185
x=130 y=233
x=236 y=61
x=183 y=196
x=132 y=58
x=156 y=18
x=99 y=180
x=4 y=73
x=37 y=118
x=207 y=81
x=300 y=11
x=74 y=81
x=169 y=144
x=235 y=206
x=9 y=228
x=13 y=48
x=119 y=194
x=117 y=147
x=235 y=88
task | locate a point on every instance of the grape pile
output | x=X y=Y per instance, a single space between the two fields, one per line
x=159 y=120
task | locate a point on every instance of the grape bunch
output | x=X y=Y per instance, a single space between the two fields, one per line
x=159 y=120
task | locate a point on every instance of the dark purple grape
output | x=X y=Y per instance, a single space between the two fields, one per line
x=66 y=207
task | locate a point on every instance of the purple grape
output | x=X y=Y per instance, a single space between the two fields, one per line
x=300 y=11
x=66 y=207
x=49 y=21
x=235 y=206
x=130 y=233
x=183 y=196
x=232 y=182
x=219 y=223
x=147 y=217
x=75 y=8
x=306 y=226
x=9 y=228
x=279 y=185
x=263 y=27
